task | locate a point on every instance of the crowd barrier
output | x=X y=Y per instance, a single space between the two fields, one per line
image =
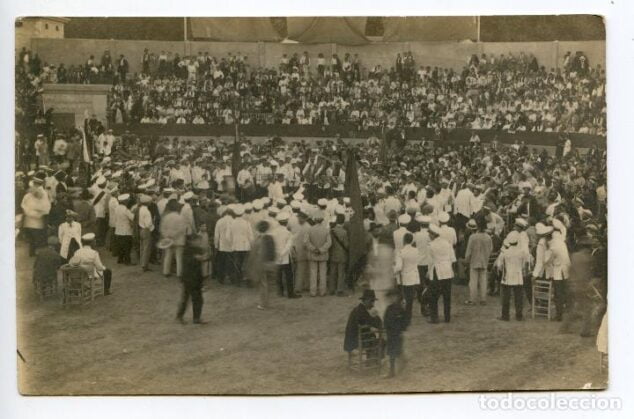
x=352 y=131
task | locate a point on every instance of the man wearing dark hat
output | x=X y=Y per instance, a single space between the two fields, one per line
x=60 y=177
x=57 y=215
x=396 y=322
x=193 y=255
x=362 y=318
x=528 y=203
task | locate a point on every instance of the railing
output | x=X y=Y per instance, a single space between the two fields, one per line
x=353 y=131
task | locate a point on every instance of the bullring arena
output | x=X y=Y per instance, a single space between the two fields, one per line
x=359 y=137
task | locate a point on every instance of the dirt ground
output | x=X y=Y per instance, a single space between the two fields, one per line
x=129 y=343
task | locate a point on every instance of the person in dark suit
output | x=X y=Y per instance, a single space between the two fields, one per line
x=47 y=262
x=192 y=280
x=61 y=186
x=122 y=67
x=395 y=320
x=529 y=207
x=362 y=317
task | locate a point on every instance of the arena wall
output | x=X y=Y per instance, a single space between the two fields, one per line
x=76 y=100
x=442 y=54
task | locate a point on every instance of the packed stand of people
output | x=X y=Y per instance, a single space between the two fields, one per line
x=511 y=93
x=278 y=214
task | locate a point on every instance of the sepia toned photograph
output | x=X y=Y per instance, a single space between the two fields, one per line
x=310 y=205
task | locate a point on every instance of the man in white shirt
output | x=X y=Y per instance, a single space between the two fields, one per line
x=263 y=174
x=113 y=203
x=446 y=232
x=392 y=203
x=188 y=213
x=176 y=173
x=557 y=259
x=245 y=183
x=406 y=267
x=186 y=170
x=288 y=171
x=445 y=196
x=108 y=143
x=198 y=173
x=511 y=262
x=299 y=253
x=223 y=244
x=283 y=240
x=241 y=236
x=123 y=230
x=422 y=240
x=463 y=208
x=276 y=189
x=146 y=227
x=219 y=175
x=478 y=199
x=440 y=273
x=403 y=222
x=100 y=204
x=89 y=259
x=162 y=202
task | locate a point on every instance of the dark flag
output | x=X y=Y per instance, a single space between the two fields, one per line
x=383 y=147
x=356 y=232
x=236 y=160
x=85 y=164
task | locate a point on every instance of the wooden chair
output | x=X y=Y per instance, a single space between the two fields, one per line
x=369 y=354
x=543 y=299
x=45 y=289
x=79 y=286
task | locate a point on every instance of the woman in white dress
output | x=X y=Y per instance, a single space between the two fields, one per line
x=69 y=234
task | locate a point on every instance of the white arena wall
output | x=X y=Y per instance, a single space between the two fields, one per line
x=443 y=54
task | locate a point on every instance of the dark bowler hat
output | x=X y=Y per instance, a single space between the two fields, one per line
x=368 y=295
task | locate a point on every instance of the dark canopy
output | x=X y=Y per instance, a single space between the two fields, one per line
x=317 y=30
x=430 y=28
x=233 y=29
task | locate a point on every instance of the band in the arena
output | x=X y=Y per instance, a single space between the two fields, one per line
x=408 y=224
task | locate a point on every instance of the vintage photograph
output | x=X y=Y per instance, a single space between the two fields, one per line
x=310 y=205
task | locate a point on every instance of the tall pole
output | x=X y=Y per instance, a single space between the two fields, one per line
x=185 y=29
x=478 y=27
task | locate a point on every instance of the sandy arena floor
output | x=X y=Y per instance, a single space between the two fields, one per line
x=129 y=343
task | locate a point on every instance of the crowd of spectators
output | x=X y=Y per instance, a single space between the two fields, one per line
x=507 y=92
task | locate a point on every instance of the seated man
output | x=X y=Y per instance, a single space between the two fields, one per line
x=363 y=317
x=89 y=259
x=47 y=262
